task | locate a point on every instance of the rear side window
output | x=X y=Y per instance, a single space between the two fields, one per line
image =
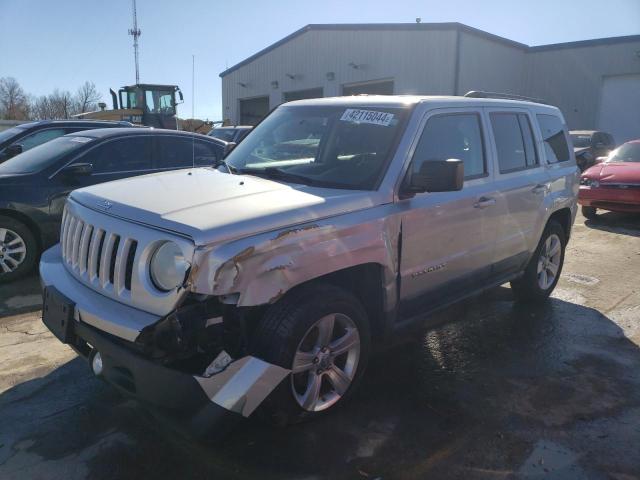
x=454 y=136
x=514 y=141
x=556 y=146
x=180 y=152
x=128 y=154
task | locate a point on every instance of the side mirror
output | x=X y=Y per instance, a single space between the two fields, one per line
x=13 y=150
x=78 y=170
x=437 y=176
x=227 y=150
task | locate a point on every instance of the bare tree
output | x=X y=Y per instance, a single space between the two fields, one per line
x=14 y=104
x=87 y=98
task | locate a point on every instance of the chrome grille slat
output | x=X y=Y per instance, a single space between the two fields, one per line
x=92 y=264
x=105 y=260
x=121 y=264
x=75 y=246
x=84 y=249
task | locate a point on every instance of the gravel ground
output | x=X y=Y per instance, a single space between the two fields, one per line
x=503 y=391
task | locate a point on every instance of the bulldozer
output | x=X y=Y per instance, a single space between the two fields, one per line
x=142 y=104
x=148 y=105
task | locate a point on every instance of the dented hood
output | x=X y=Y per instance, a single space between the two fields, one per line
x=615 y=172
x=211 y=206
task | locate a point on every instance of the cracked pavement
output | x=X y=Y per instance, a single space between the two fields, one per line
x=505 y=391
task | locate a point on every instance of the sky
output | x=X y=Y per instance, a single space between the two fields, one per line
x=48 y=44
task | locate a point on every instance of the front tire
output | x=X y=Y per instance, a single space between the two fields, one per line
x=543 y=271
x=18 y=249
x=589 y=212
x=321 y=333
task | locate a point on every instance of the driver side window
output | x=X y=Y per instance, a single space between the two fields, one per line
x=455 y=135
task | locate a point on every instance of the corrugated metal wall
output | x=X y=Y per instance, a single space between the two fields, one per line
x=572 y=78
x=426 y=65
x=437 y=62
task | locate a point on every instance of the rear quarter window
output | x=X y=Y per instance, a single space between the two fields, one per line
x=554 y=134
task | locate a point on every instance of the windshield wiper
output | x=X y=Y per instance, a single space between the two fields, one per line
x=276 y=173
x=222 y=161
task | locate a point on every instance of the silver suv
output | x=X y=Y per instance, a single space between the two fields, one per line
x=262 y=284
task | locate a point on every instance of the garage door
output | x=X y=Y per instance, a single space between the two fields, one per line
x=377 y=87
x=302 y=94
x=252 y=110
x=620 y=107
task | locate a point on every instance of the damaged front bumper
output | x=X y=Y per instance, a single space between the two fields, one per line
x=99 y=324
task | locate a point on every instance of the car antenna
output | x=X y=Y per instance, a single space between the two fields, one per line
x=193 y=109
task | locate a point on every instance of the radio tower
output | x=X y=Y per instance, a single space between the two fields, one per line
x=135 y=32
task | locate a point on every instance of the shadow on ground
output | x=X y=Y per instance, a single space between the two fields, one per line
x=21 y=296
x=614 y=222
x=505 y=391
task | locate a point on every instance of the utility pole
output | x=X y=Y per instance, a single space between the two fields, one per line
x=135 y=32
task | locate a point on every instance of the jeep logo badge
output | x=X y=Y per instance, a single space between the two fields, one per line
x=105 y=205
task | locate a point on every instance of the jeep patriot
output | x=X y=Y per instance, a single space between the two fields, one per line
x=261 y=284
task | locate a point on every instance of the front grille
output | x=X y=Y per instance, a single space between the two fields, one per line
x=111 y=256
x=100 y=257
x=621 y=186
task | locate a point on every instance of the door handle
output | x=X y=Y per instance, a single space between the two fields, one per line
x=540 y=188
x=484 y=202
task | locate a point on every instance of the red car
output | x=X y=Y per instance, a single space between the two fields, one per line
x=614 y=184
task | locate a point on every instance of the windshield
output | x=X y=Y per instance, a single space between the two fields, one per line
x=337 y=147
x=42 y=156
x=628 y=152
x=7 y=134
x=581 y=141
x=159 y=101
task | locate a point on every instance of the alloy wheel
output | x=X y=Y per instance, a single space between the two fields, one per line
x=325 y=362
x=549 y=261
x=13 y=250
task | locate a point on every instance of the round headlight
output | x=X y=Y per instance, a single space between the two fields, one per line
x=168 y=267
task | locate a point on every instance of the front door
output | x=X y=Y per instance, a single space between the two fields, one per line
x=448 y=237
x=112 y=160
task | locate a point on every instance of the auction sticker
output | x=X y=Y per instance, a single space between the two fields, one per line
x=367 y=116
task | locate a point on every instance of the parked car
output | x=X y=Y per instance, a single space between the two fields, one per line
x=28 y=135
x=35 y=184
x=230 y=134
x=266 y=282
x=613 y=185
x=588 y=145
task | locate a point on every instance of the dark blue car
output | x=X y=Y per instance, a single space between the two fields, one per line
x=35 y=184
x=25 y=136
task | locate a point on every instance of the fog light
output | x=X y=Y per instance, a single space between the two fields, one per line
x=96 y=364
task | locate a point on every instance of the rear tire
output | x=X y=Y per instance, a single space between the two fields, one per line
x=543 y=271
x=589 y=212
x=321 y=333
x=18 y=249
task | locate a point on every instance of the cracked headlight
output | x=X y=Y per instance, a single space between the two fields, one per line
x=168 y=267
x=589 y=182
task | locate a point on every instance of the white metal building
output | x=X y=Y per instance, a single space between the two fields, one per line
x=596 y=83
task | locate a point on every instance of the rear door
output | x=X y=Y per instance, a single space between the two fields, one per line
x=522 y=183
x=448 y=237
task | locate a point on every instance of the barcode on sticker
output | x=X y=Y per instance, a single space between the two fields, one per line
x=367 y=116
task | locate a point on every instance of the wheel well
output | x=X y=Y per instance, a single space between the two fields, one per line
x=563 y=217
x=366 y=283
x=21 y=217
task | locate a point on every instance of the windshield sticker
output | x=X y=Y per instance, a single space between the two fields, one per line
x=367 y=116
x=81 y=139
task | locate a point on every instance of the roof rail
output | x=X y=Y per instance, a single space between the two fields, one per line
x=503 y=96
